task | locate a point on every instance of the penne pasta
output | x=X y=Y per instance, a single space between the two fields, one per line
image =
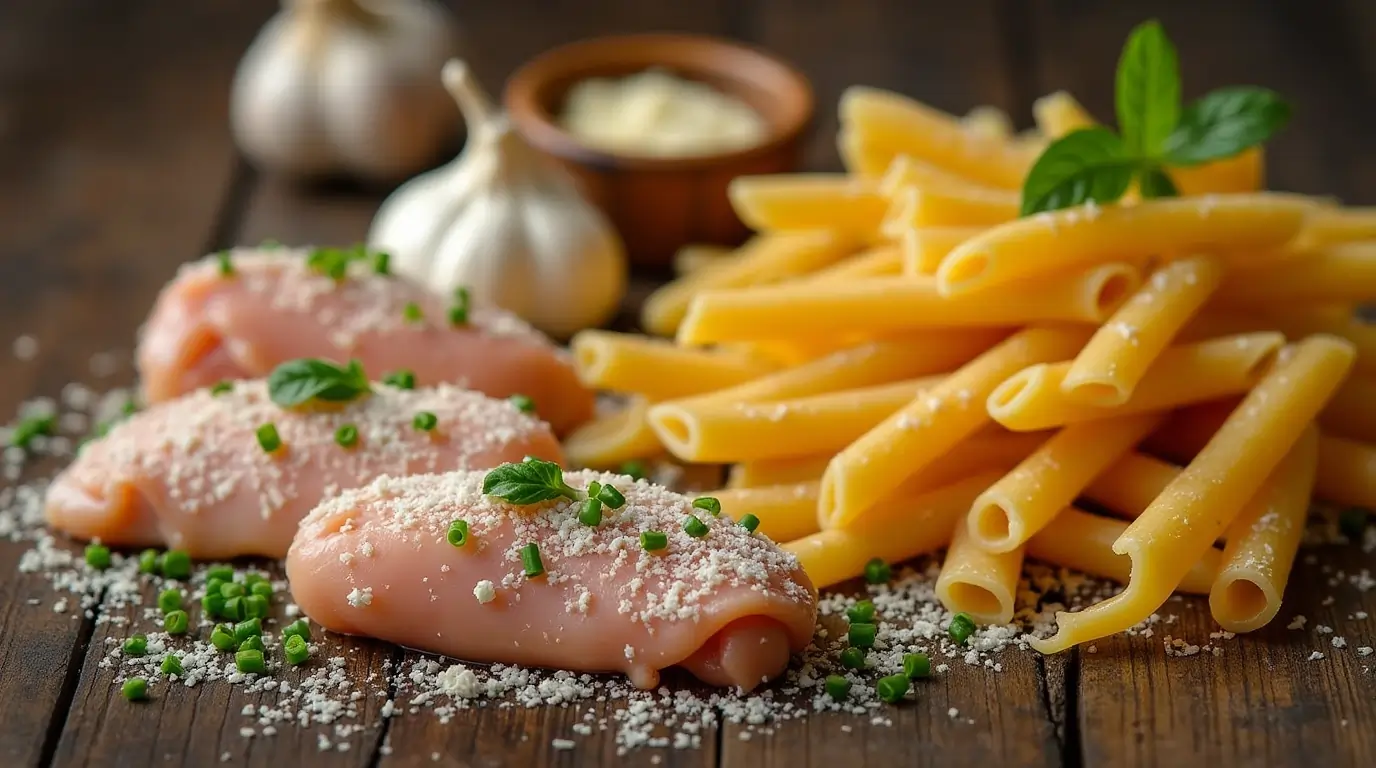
x=1181 y=525
x=1077 y=539
x=876 y=262
x=924 y=247
x=610 y=440
x=976 y=581
x=906 y=171
x=1131 y=484
x=795 y=469
x=1109 y=367
x=656 y=369
x=1229 y=226
x=1262 y=541
x=1330 y=226
x=873 y=466
x=1339 y=273
x=882 y=305
x=951 y=207
x=1294 y=322
x=1189 y=373
x=861 y=157
x=698 y=257
x=1245 y=172
x=798 y=201
x=786 y=512
x=1347 y=472
x=1059 y=113
x=1352 y=411
x=987 y=120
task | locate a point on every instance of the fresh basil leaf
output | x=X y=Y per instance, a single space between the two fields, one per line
x=1147 y=91
x=528 y=482
x=1153 y=182
x=298 y=381
x=1088 y=164
x=1224 y=123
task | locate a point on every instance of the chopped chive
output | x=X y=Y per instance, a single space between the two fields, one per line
x=458 y=533
x=251 y=578
x=176 y=622
x=268 y=439
x=635 y=469
x=226 y=264
x=222 y=637
x=402 y=379
x=591 y=513
x=709 y=503
x=256 y=607
x=234 y=609
x=176 y=564
x=862 y=612
x=135 y=689
x=611 y=497
x=458 y=313
x=916 y=665
x=1352 y=523
x=962 y=626
x=749 y=522
x=270 y=244
x=425 y=421
x=213 y=605
x=169 y=600
x=136 y=646
x=652 y=541
x=411 y=312
x=232 y=589
x=695 y=527
x=892 y=688
x=220 y=388
x=382 y=263
x=220 y=571
x=296 y=650
x=214 y=585
x=594 y=488
x=299 y=628
x=253 y=643
x=34 y=426
x=877 y=572
x=838 y=688
x=862 y=635
x=853 y=658
x=262 y=589
x=148 y=561
x=523 y=403
x=346 y=436
x=98 y=556
x=530 y=560
x=171 y=665
x=250 y=662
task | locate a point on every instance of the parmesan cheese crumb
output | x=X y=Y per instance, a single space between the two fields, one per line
x=484 y=591
x=360 y=598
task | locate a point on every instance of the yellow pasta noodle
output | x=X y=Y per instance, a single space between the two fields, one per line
x=1346 y=473
x=981 y=583
x=1329 y=226
x=1022 y=502
x=890 y=304
x=1188 y=373
x=1131 y=484
x=610 y=440
x=925 y=247
x=804 y=201
x=1107 y=370
x=1294 y=322
x=1182 y=524
x=1231 y=226
x=1339 y=273
x=1077 y=539
x=952 y=207
x=906 y=171
x=786 y=512
x=697 y=257
x=875 y=262
x=1262 y=541
x=988 y=120
x=657 y=369
x=794 y=469
x=861 y=157
x=1352 y=411
x=872 y=467
x=1059 y=113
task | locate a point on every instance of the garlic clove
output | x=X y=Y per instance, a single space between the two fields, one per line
x=274 y=126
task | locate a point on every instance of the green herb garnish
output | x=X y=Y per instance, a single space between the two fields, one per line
x=98 y=556
x=458 y=533
x=862 y=612
x=708 y=503
x=296 y=650
x=135 y=689
x=334 y=262
x=171 y=665
x=529 y=482
x=169 y=600
x=382 y=263
x=254 y=643
x=877 y=571
x=150 y=561
x=248 y=628
x=611 y=497
x=838 y=688
x=458 y=312
x=853 y=658
x=916 y=665
x=749 y=522
x=531 y=562
x=299 y=628
x=250 y=662
x=893 y=688
x=225 y=263
x=653 y=541
x=220 y=388
x=268 y=439
x=231 y=589
x=300 y=381
x=635 y=469
x=136 y=646
x=590 y=514
x=176 y=622
x=962 y=626
x=862 y=635
x=219 y=571
x=523 y=403
x=412 y=313
x=27 y=429
x=256 y=607
x=425 y=421
x=176 y=564
x=346 y=436
x=695 y=527
x=402 y=379
x=222 y=637
x=262 y=589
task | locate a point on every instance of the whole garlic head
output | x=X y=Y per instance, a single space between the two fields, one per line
x=346 y=86
x=508 y=223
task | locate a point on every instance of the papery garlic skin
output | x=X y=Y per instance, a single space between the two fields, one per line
x=508 y=223
x=346 y=86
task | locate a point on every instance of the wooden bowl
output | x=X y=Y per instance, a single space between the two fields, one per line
x=661 y=203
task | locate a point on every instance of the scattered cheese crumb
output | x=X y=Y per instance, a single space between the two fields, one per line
x=360 y=597
x=484 y=591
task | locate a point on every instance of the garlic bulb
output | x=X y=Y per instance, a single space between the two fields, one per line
x=346 y=86
x=507 y=222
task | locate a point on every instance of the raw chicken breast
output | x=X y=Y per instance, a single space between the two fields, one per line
x=191 y=473
x=207 y=327
x=730 y=607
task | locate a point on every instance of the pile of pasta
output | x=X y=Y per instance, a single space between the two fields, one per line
x=1151 y=391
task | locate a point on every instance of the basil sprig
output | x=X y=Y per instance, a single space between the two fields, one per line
x=528 y=482
x=1155 y=133
x=299 y=381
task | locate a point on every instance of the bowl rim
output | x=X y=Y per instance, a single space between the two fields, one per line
x=539 y=127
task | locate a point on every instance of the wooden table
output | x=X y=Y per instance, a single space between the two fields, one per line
x=116 y=165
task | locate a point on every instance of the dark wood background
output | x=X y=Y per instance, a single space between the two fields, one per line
x=116 y=165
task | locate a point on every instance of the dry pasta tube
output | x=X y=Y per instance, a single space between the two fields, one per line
x=786 y=512
x=802 y=201
x=723 y=432
x=988 y=120
x=924 y=247
x=1080 y=540
x=870 y=468
x=1182 y=524
x=1131 y=484
x=953 y=207
x=1329 y=226
x=766 y=472
x=1347 y=472
x=880 y=305
x=765 y=259
x=1022 y=502
x=1107 y=370
x=900 y=529
x=1262 y=542
x=860 y=157
x=878 y=261
x=1338 y=273
x=1059 y=113
x=657 y=369
x=907 y=171
x=1352 y=411
x=608 y=441
x=1294 y=322
x=895 y=124
x=697 y=257
x=1235 y=227
x=1189 y=373
x=981 y=583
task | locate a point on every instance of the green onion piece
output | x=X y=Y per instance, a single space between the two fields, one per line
x=853 y=658
x=346 y=436
x=220 y=571
x=213 y=585
x=962 y=626
x=709 y=503
x=862 y=635
x=251 y=578
x=611 y=497
x=877 y=572
x=300 y=628
x=458 y=313
x=382 y=262
x=234 y=609
x=425 y=421
x=402 y=379
x=270 y=244
x=213 y=605
x=523 y=403
x=695 y=527
x=892 y=688
x=171 y=665
x=458 y=533
x=169 y=600
x=411 y=312
x=149 y=561
x=1352 y=523
x=530 y=560
x=32 y=427
x=862 y=612
x=135 y=689
x=254 y=643
x=136 y=646
x=250 y=662
x=222 y=637
x=256 y=607
x=916 y=665
x=594 y=488
x=232 y=589
x=591 y=513
x=838 y=688
x=176 y=564
x=98 y=556
x=262 y=589
x=220 y=388
x=296 y=650
x=634 y=468
x=268 y=439
x=653 y=541
x=176 y=622
x=226 y=264
x=749 y=522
